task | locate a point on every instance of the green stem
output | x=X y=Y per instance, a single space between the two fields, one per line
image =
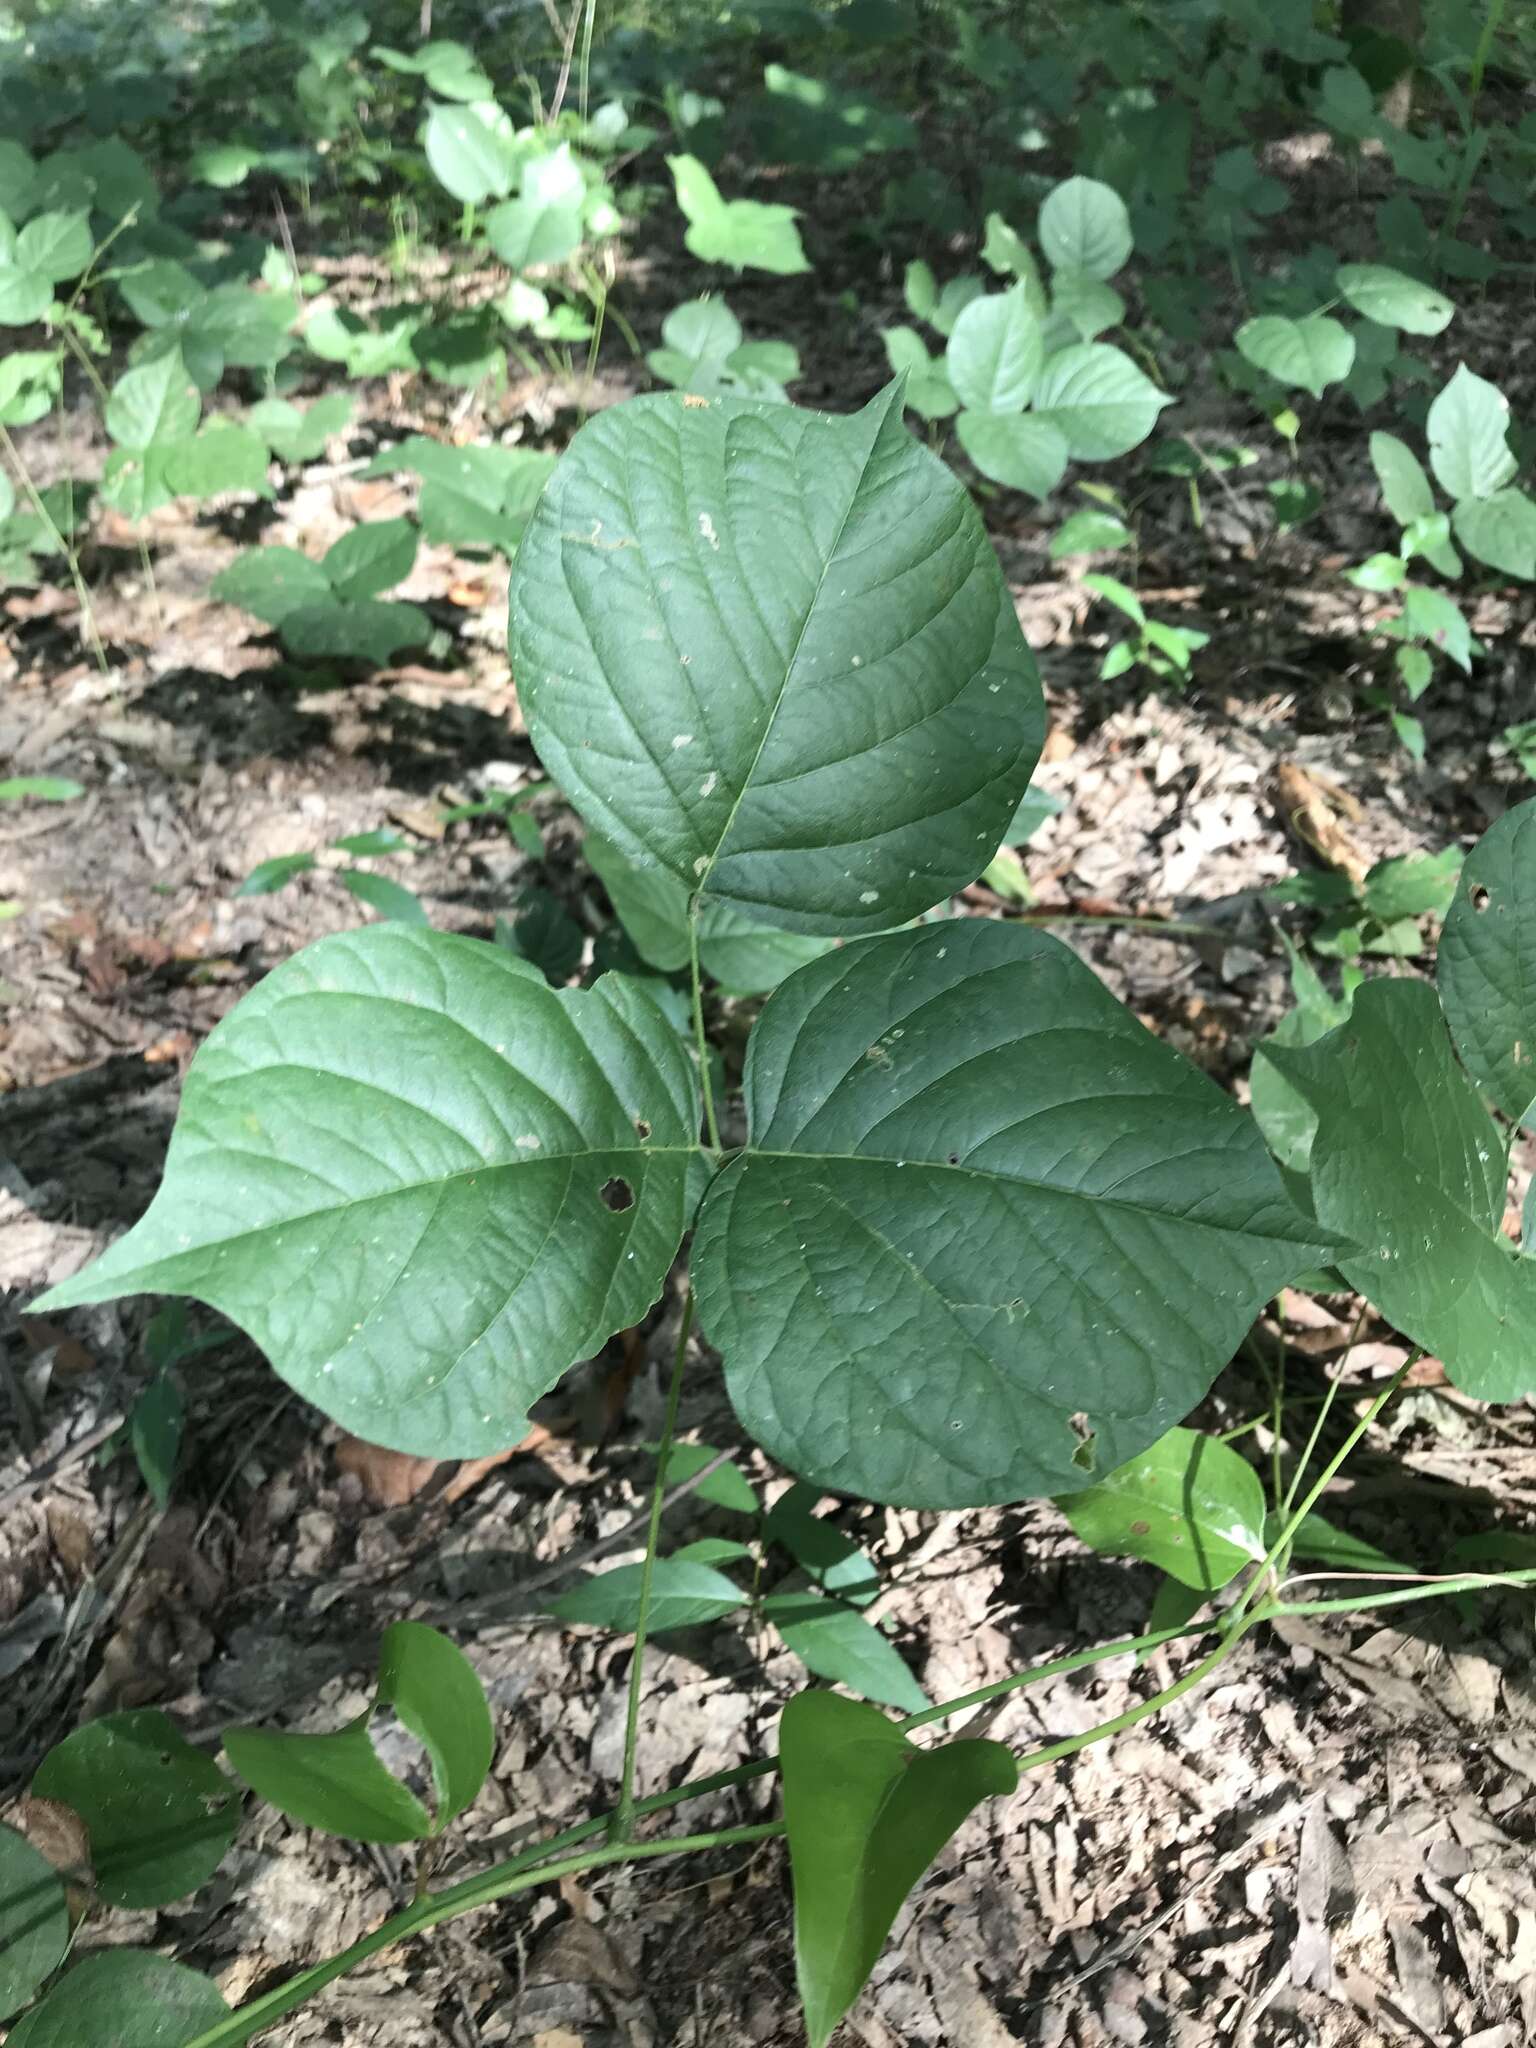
x=1480 y=56
x=500 y=1883
x=711 y=1123
x=622 y=1826
x=34 y=499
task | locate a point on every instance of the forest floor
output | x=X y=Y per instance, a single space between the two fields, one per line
x=1330 y=1843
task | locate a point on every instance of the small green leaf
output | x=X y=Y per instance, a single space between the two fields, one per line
x=295 y=436
x=741 y=232
x=55 y=245
x=371 y=558
x=121 y=1998
x=436 y=1692
x=1098 y=400
x=1314 y=352
x=270 y=582
x=1392 y=299
x=48 y=789
x=1084 y=227
x=1408 y=1163
x=159 y=1813
x=684 y=1594
x=1322 y=1543
x=1379 y=572
x=466 y=158
x=1006 y=251
x=838 y=1644
x=726 y=1487
x=1404 y=486
x=336 y=1782
x=713 y=1550
x=1499 y=530
x=34 y=1921
x=1085 y=304
x=996 y=353
x=1469 y=437
x=527 y=233
x=834 y=1561
x=223 y=457
x=154 y=405
x=1487 y=964
x=155 y=1431
x=276 y=873
x=354 y=631
x=866 y=1813
x=1412 y=885
x=1188 y=1504
x=1416 y=667
x=392 y=900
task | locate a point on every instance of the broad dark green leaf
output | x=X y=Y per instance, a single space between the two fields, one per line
x=1409 y=1164
x=271 y=582
x=772 y=651
x=371 y=559
x=423 y=1181
x=983 y=1211
x=123 y=1998
x=154 y=405
x=833 y=1560
x=684 y=1594
x=159 y=1813
x=335 y=1782
x=436 y=1692
x=34 y=1921
x=837 y=1643
x=1487 y=964
x=363 y=629
x=866 y=1813
x=1188 y=1504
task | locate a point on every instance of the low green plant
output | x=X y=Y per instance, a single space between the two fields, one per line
x=332 y=608
x=984 y=1236
x=1165 y=651
x=381 y=893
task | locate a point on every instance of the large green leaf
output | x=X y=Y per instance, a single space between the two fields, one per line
x=984 y=1214
x=1487 y=963
x=1098 y=400
x=1469 y=437
x=772 y=651
x=337 y=1782
x=1500 y=531
x=422 y=1180
x=34 y=1920
x=866 y=1812
x=996 y=352
x=1314 y=352
x=745 y=233
x=1409 y=1164
x=527 y=232
x=159 y=1813
x=1188 y=1504
x=122 y=1998
x=55 y=245
x=1084 y=227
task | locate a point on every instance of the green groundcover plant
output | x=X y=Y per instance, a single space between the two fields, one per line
x=981 y=1236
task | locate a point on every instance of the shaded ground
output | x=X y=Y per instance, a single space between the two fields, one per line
x=1330 y=1843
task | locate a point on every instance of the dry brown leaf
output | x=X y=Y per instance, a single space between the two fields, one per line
x=392 y=1479
x=1311 y=806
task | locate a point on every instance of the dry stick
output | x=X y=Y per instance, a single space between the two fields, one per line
x=61 y=1461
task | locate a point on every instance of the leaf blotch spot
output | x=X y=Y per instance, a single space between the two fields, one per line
x=1085 y=1458
x=954 y=1158
x=617 y=1195
x=642 y=1128
x=1478 y=896
x=1141 y=1528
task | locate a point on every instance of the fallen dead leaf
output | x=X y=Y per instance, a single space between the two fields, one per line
x=392 y=1479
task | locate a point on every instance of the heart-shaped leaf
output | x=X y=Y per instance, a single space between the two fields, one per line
x=866 y=1813
x=1408 y=1163
x=122 y=1998
x=1084 y=227
x=1020 y=450
x=1188 y=1504
x=1314 y=352
x=772 y=651
x=1098 y=400
x=1487 y=962
x=423 y=1181
x=160 y=1814
x=984 y=1215
x=1469 y=437
x=34 y=1921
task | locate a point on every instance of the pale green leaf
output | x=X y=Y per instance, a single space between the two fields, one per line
x=466 y=157
x=1084 y=227
x=744 y=233
x=153 y=405
x=1098 y=400
x=996 y=353
x=1024 y=452
x=1499 y=531
x=1469 y=437
x=1313 y=352
x=1188 y=1504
